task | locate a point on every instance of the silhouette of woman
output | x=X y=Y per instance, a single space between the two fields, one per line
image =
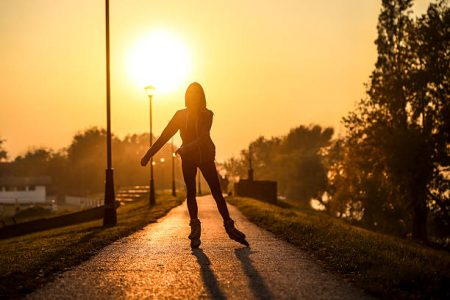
x=197 y=151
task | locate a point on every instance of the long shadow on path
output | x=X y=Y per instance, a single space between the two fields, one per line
x=208 y=276
x=257 y=284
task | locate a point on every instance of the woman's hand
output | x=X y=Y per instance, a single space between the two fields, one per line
x=144 y=160
x=180 y=151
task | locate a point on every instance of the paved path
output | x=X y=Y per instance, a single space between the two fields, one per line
x=157 y=263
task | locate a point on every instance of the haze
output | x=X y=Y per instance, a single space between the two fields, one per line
x=266 y=66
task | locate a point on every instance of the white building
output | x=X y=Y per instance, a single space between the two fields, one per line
x=83 y=202
x=24 y=189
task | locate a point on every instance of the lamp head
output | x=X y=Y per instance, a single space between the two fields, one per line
x=150 y=90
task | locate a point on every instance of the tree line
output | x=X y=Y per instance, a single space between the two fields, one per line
x=79 y=169
x=391 y=170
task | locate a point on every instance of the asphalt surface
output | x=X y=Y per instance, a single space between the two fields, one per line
x=158 y=263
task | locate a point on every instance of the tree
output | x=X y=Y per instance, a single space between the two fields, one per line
x=86 y=161
x=33 y=163
x=302 y=173
x=401 y=127
x=432 y=107
x=3 y=153
x=79 y=169
x=295 y=161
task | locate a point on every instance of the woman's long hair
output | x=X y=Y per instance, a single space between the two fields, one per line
x=194 y=98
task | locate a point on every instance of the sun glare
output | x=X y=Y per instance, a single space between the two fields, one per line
x=159 y=59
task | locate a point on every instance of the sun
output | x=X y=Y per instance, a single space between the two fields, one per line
x=159 y=59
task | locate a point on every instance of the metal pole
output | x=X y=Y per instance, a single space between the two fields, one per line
x=152 y=182
x=110 y=215
x=174 y=190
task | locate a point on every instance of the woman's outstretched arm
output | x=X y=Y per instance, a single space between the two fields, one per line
x=167 y=133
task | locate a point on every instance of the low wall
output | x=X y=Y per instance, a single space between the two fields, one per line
x=55 y=222
x=259 y=189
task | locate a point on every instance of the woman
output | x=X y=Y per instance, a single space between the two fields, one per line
x=196 y=151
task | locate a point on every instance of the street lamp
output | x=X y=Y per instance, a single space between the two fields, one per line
x=109 y=214
x=150 y=90
x=174 y=191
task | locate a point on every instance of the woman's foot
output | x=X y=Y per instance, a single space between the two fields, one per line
x=235 y=234
x=196 y=231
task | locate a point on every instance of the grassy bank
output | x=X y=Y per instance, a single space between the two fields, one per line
x=28 y=261
x=382 y=265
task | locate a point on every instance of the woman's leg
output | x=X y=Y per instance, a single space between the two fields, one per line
x=210 y=173
x=189 y=173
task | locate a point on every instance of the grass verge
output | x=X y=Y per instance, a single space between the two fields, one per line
x=382 y=265
x=29 y=261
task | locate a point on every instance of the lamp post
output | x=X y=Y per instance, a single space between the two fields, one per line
x=109 y=215
x=174 y=191
x=150 y=90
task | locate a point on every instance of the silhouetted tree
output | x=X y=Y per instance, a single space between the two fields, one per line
x=129 y=171
x=33 y=163
x=398 y=136
x=236 y=167
x=432 y=108
x=86 y=161
x=3 y=153
x=295 y=161
x=79 y=169
x=302 y=173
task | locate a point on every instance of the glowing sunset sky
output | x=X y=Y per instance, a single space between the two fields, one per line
x=266 y=66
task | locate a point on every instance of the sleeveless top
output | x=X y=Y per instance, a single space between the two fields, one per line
x=195 y=135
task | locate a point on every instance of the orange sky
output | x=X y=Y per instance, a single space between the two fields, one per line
x=266 y=66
